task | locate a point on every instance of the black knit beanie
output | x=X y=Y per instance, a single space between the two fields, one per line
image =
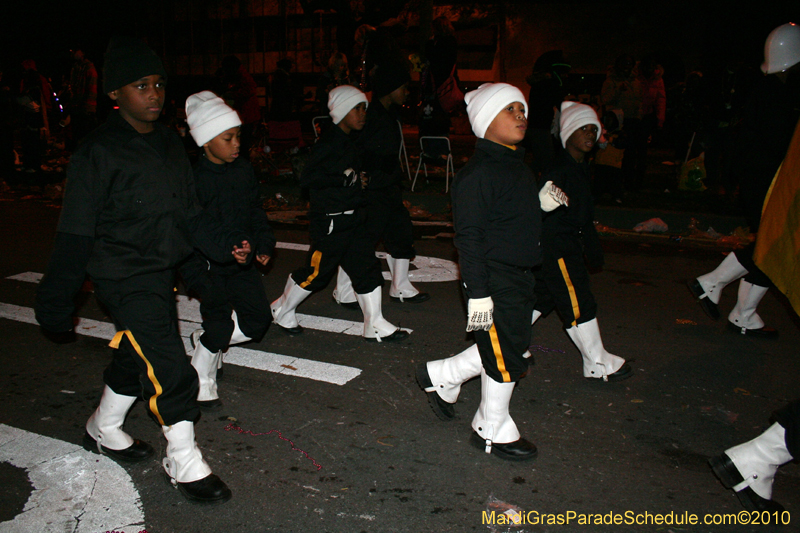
x=388 y=77
x=127 y=59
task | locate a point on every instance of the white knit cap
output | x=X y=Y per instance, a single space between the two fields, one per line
x=486 y=102
x=342 y=100
x=208 y=115
x=575 y=116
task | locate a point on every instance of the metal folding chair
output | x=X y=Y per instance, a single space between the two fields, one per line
x=435 y=151
x=320 y=124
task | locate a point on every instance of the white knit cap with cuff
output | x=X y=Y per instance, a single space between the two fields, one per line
x=342 y=100
x=208 y=115
x=575 y=116
x=486 y=102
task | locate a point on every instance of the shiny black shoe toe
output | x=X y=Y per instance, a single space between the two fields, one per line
x=730 y=476
x=441 y=408
x=764 y=333
x=209 y=490
x=519 y=450
x=136 y=452
x=416 y=299
x=397 y=336
x=709 y=307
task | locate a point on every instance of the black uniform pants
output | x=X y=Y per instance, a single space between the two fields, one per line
x=789 y=418
x=388 y=220
x=754 y=274
x=340 y=240
x=503 y=346
x=562 y=282
x=223 y=289
x=153 y=362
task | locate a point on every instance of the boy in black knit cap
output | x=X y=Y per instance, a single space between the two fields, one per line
x=129 y=211
x=388 y=219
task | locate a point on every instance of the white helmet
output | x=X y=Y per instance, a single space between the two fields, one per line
x=782 y=49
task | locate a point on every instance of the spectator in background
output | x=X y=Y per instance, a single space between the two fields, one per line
x=623 y=90
x=283 y=97
x=35 y=96
x=239 y=91
x=441 y=53
x=337 y=73
x=6 y=130
x=544 y=99
x=83 y=97
x=654 y=96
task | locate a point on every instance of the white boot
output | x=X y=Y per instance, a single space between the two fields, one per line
x=186 y=468
x=206 y=364
x=401 y=288
x=376 y=327
x=535 y=316
x=744 y=318
x=237 y=337
x=495 y=430
x=283 y=309
x=447 y=375
x=759 y=459
x=597 y=362
x=104 y=433
x=105 y=424
x=344 y=293
x=708 y=287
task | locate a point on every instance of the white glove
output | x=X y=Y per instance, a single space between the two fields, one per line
x=479 y=314
x=551 y=197
x=350 y=177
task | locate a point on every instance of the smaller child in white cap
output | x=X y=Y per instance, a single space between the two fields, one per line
x=234 y=304
x=497 y=214
x=337 y=216
x=570 y=241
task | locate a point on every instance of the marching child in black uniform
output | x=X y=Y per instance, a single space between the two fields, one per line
x=234 y=305
x=568 y=234
x=337 y=215
x=388 y=219
x=497 y=218
x=128 y=210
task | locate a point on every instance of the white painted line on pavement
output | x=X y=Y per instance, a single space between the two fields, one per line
x=256 y=359
x=30 y=277
x=73 y=490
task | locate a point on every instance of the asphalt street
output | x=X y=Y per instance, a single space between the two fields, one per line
x=306 y=451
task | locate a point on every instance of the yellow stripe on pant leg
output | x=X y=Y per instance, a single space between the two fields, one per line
x=150 y=373
x=315 y=261
x=573 y=298
x=498 y=355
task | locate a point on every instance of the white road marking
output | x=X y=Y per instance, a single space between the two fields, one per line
x=428 y=269
x=74 y=490
x=257 y=359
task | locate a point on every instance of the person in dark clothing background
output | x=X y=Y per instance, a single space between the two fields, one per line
x=441 y=53
x=497 y=219
x=240 y=90
x=544 y=98
x=569 y=235
x=234 y=305
x=388 y=219
x=83 y=97
x=127 y=220
x=765 y=133
x=282 y=91
x=337 y=215
x=35 y=96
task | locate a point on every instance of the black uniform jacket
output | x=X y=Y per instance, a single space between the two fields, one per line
x=496 y=213
x=229 y=195
x=577 y=219
x=380 y=147
x=324 y=174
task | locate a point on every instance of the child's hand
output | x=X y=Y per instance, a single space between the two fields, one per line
x=480 y=313
x=551 y=197
x=263 y=259
x=241 y=253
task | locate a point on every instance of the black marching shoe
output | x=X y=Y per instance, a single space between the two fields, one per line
x=348 y=305
x=519 y=450
x=624 y=372
x=136 y=452
x=209 y=490
x=397 y=336
x=210 y=405
x=730 y=476
x=416 y=299
x=709 y=307
x=442 y=409
x=764 y=333
x=291 y=332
